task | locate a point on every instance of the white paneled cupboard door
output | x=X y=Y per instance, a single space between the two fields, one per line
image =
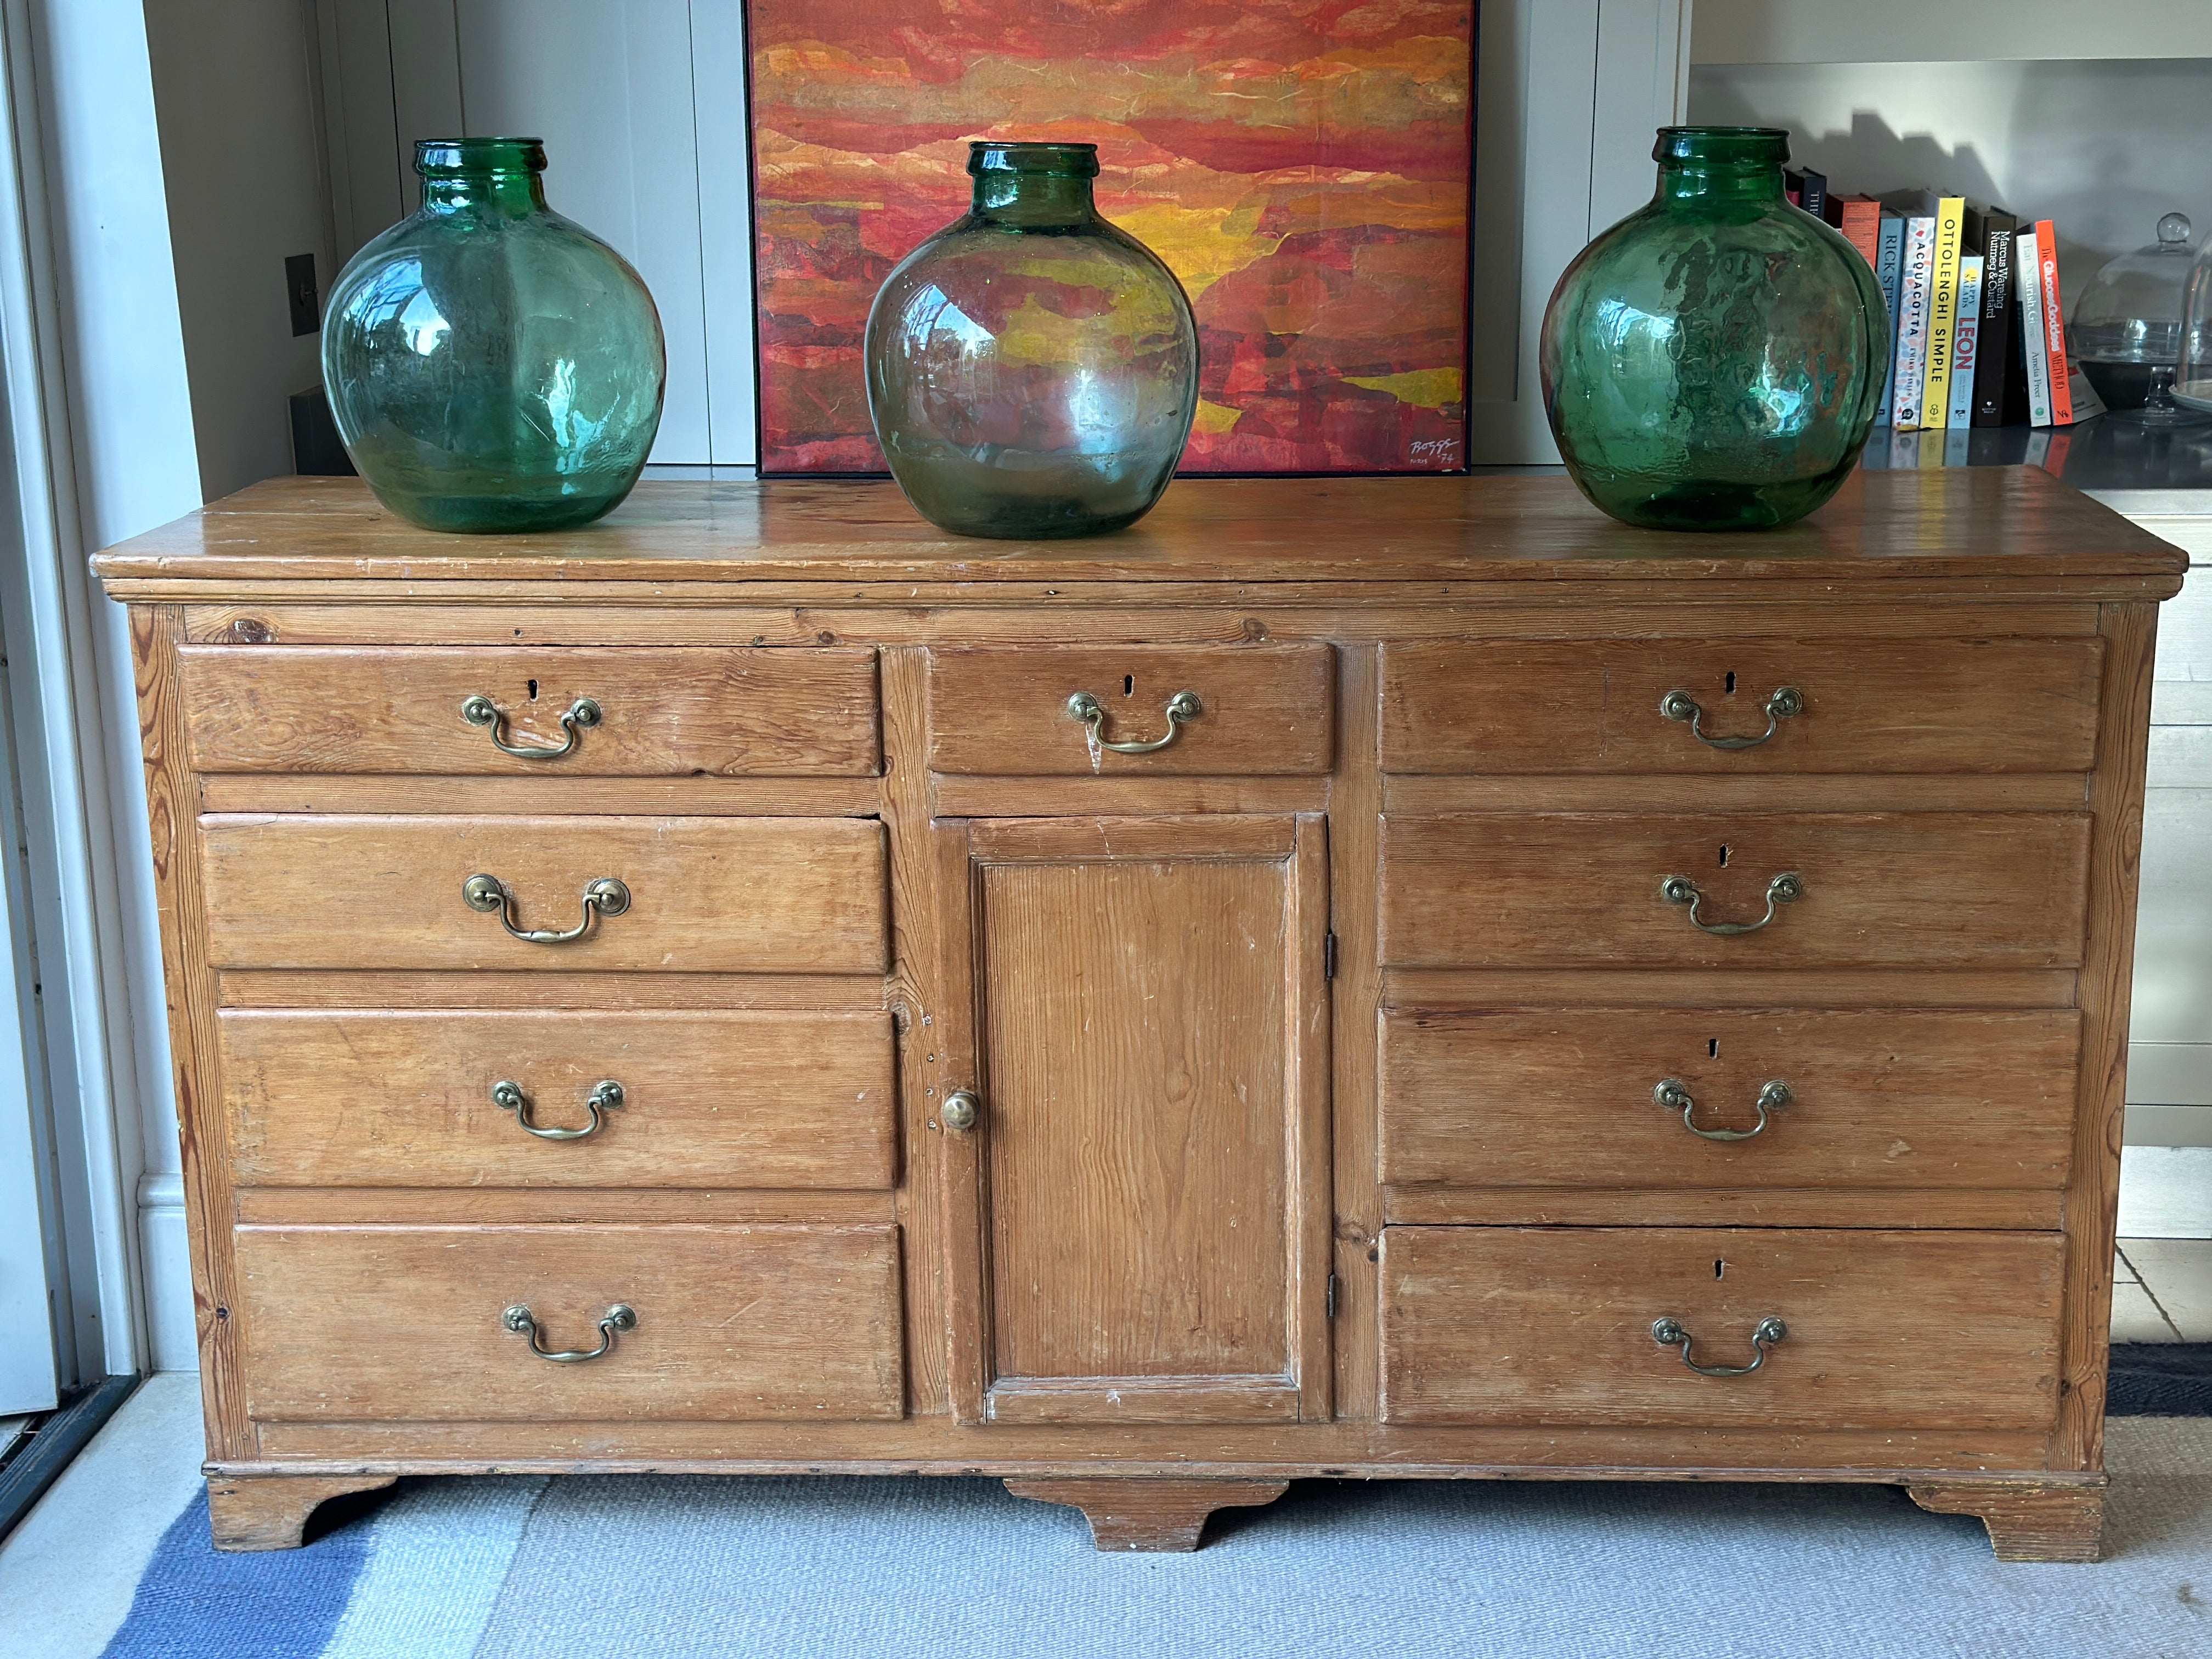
x=642 y=107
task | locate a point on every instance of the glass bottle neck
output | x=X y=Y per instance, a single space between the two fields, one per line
x=505 y=193
x=1033 y=200
x=1690 y=180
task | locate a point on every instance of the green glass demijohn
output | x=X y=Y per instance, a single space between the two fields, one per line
x=1032 y=370
x=1716 y=360
x=491 y=366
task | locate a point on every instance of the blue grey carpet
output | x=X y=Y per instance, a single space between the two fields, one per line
x=638 y=1568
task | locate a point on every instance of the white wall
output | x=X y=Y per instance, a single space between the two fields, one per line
x=2100 y=149
x=1871 y=31
x=241 y=159
x=653 y=157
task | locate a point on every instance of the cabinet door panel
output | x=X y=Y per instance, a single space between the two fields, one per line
x=1147 y=1205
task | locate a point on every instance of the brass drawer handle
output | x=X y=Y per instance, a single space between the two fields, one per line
x=1673 y=1095
x=481 y=710
x=1769 y=1330
x=604 y=897
x=508 y=1096
x=523 y=1322
x=1785 y=888
x=1786 y=703
x=1183 y=706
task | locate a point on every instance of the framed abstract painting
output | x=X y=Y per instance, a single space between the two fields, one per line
x=1303 y=166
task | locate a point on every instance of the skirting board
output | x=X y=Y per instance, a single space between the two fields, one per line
x=172 y=1336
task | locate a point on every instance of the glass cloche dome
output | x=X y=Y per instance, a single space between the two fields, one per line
x=2192 y=383
x=2127 y=330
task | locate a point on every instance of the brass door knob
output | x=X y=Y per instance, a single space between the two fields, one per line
x=961 y=1107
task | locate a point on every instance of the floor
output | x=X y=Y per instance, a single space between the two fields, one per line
x=2162 y=1281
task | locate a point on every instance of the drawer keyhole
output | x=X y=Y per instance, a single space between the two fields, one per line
x=533 y=691
x=1730 y=683
x=1128 y=686
x=1712 y=1047
x=1719 y=1268
x=1724 y=855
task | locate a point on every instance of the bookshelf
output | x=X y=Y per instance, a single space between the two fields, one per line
x=2096 y=118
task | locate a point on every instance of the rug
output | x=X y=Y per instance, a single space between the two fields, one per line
x=2161 y=1379
x=847 y=1568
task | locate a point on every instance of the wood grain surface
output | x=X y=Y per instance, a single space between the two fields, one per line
x=1879 y=1098
x=1984 y=889
x=1264 y=709
x=1980 y=524
x=1870 y=706
x=368 y=1098
x=1554 y=1325
x=724 y=895
x=664 y=712
x=1140 y=1123
x=1226 y=1215
x=734 y=1324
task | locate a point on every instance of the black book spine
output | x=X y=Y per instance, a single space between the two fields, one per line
x=1998 y=349
x=1815 y=198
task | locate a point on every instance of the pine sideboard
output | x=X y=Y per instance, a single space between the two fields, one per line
x=1390 y=978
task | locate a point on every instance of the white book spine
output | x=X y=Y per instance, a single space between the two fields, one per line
x=1965 y=342
x=1916 y=288
x=2035 y=346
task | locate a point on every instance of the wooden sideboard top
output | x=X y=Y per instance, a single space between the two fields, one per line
x=1970 y=523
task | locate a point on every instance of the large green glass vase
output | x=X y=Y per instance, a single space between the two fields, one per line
x=1714 y=360
x=492 y=366
x=1032 y=370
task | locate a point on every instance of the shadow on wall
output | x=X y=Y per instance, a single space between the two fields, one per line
x=2100 y=148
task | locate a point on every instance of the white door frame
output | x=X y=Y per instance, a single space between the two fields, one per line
x=85 y=377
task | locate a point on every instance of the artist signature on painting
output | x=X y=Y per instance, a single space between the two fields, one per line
x=1433 y=449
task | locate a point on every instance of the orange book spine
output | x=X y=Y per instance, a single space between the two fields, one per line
x=2054 y=324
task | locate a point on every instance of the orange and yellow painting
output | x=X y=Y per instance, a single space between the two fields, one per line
x=1303 y=166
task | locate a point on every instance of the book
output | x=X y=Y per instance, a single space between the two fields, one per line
x=1999 y=390
x=2034 y=344
x=1859 y=217
x=2088 y=405
x=1888 y=264
x=1812 y=192
x=1793 y=187
x=2054 y=326
x=1965 y=343
x=1915 y=282
x=1942 y=313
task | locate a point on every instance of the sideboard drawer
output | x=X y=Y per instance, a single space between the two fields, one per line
x=1574 y=889
x=732 y=1323
x=1554 y=1326
x=2004 y=705
x=656 y=712
x=1889 y=1098
x=758 y=896
x=356 y=1098
x=1005 y=711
